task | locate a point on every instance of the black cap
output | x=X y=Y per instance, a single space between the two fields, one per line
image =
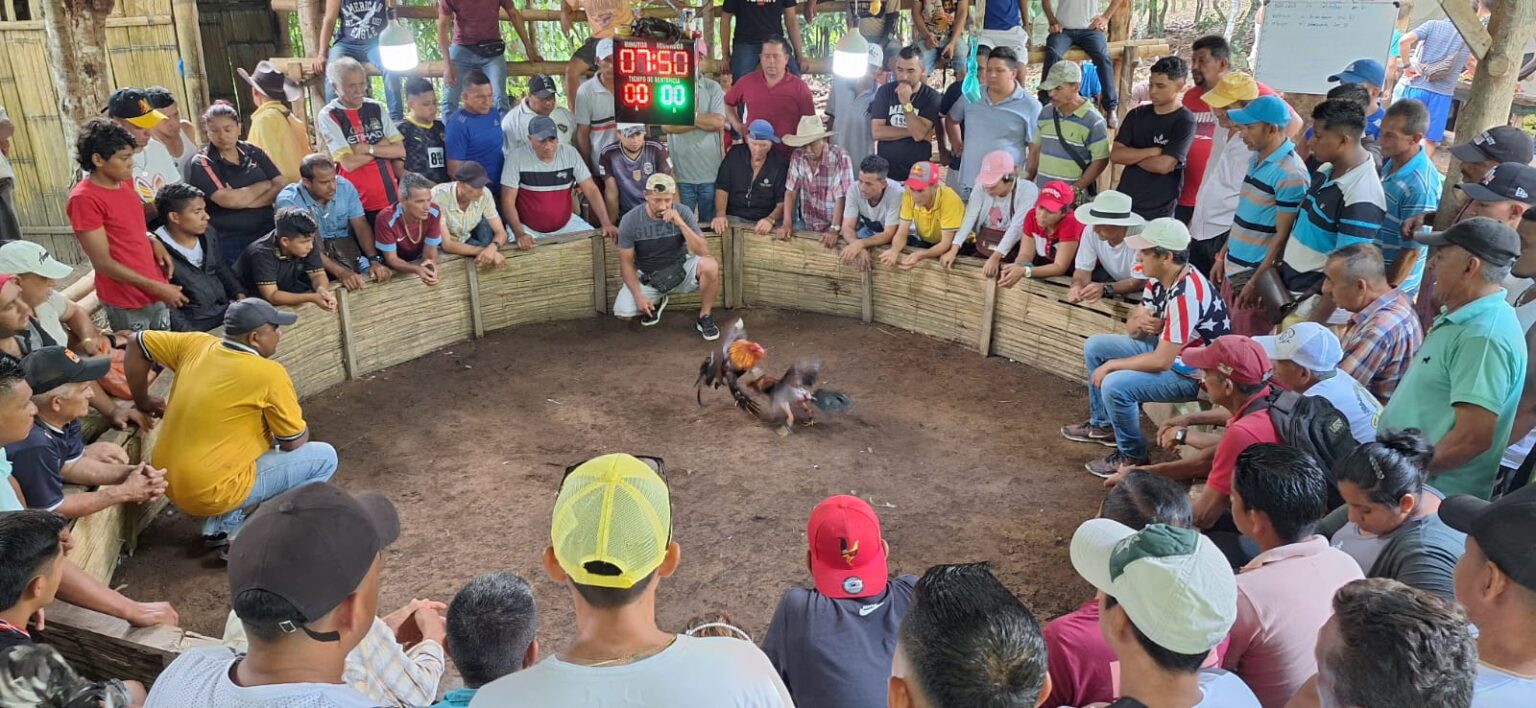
x=542 y=86
x=253 y=313
x=1503 y=529
x=312 y=546
x=132 y=105
x=472 y=174
x=51 y=367
x=1504 y=143
x=1481 y=236
x=1509 y=181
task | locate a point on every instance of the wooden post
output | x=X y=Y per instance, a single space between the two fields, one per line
x=311 y=13
x=1493 y=89
x=988 y=318
x=76 y=37
x=867 y=295
x=189 y=41
x=476 y=317
x=344 y=319
x=728 y=269
x=600 y=273
x=1120 y=31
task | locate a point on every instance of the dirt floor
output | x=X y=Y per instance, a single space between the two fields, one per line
x=960 y=456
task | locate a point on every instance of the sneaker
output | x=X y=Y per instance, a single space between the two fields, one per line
x=218 y=540
x=655 y=316
x=1108 y=466
x=1089 y=433
x=707 y=328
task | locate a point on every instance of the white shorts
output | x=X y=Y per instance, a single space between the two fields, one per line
x=624 y=304
x=1016 y=39
x=574 y=225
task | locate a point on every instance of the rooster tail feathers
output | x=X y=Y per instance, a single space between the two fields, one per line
x=830 y=401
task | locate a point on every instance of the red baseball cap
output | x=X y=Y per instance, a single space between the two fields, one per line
x=1234 y=356
x=1056 y=196
x=847 y=554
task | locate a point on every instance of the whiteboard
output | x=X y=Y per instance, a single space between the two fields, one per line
x=1303 y=42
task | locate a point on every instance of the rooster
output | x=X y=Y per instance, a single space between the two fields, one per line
x=795 y=395
x=736 y=359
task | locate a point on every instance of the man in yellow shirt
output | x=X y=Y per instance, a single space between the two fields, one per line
x=274 y=128
x=233 y=433
x=931 y=214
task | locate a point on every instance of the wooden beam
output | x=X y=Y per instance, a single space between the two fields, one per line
x=1461 y=14
x=103 y=647
x=988 y=318
x=344 y=320
x=1493 y=89
x=476 y=316
x=311 y=13
x=75 y=36
x=429 y=12
x=189 y=41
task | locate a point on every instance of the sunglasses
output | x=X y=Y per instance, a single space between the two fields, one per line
x=657 y=465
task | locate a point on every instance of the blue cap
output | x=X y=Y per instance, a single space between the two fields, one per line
x=761 y=130
x=1264 y=109
x=1362 y=71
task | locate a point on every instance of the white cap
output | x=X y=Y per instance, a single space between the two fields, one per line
x=1175 y=585
x=1166 y=233
x=604 y=49
x=1309 y=345
x=627 y=128
x=19 y=257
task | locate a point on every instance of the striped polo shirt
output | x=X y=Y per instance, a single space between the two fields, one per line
x=1410 y=189
x=1338 y=211
x=544 y=189
x=1083 y=131
x=1273 y=185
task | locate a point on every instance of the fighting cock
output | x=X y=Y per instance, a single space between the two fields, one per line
x=795 y=394
x=736 y=366
x=737 y=357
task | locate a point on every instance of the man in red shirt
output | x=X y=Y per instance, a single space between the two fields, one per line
x=771 y=93
x=359 y=134
x=107 y=216
x=410 y=235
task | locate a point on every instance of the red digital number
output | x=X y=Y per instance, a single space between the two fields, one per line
x=636 y=94
x=680 y=59
x=664 y=63
x=627 y=60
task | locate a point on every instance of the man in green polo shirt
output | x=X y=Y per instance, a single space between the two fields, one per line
x=1464 y=384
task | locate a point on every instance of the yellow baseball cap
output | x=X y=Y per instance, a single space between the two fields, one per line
x=612 y=522
x=1235 y=86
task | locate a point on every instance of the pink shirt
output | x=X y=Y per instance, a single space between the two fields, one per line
x=1082 y=666
x=1283 y=597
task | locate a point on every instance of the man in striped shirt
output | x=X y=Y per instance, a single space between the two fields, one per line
x=1384 y=331
x=1179 y=309
x=1072 y=142
x=1345 y=204
x=537 y=184
x=1411 y=185
x=1267 y=205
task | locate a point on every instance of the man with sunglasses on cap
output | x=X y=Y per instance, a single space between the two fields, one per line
x=540 y=101
x=610 y=547
x=832 y=643
x=261 y=447
x=304 y=582
x=1496 y=583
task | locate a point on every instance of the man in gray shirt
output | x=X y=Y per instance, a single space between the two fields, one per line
x=660 y=252
x=871 y=213
x=848 y=107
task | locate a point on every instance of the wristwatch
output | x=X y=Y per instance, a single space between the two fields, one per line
x=1182 y=436
x=1029 y=271
x=907 y=107
x=1109 y=290
x=370 y=149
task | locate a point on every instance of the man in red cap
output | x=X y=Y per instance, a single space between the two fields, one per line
x=1236 y=373
x=833 y=644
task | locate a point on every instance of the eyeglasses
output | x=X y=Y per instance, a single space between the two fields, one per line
x=657 y=465
x=1006 y=179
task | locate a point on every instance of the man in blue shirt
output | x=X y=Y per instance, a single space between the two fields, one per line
x=1370 y=74
x=474 y=131
x=346 y=237
x=1344 y=205
x=1411 y=185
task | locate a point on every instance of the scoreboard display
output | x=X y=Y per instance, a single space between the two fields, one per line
x=653 y=81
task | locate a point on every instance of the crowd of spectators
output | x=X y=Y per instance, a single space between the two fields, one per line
x=1340 y=513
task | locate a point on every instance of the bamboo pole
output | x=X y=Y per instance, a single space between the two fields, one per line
x=429 y=12
x=189 y=41
x=75 y=34
x=599 y=274
x=1493 y=88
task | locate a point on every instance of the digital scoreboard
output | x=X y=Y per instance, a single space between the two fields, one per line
x=653 y=81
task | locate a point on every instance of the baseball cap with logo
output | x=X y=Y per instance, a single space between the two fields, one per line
x=1062 y=72
x=848 y=557
x=253 y=313
x=923 y=175
x=1173 y=583
x=1362 y=71
x=1234 y=356
x=761 y=130
x=1056 y=196
x=1509 y=181
x=51 y=367
x=1503 y=529
x=1308 y=345
x=1482 y=237
x=661 y=183
x=631 y=129
x=542 y=128
x=1503 y=143
x=1233 y=87
x=1166 y=233
x=312 y=546
x=995 y=166
x=876 y=56
x=612 y=522
x=19 y=257
x=541 y=85
x=131 y=105
x=604 y=49
x=1264 y=109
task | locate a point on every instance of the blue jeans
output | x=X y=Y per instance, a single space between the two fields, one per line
x=482 y=234
x=1096 y=46
x=393 y=97
x=277 y=472
x=744 y=59
x=700 y=197
x=1118 y=402
x=466 y=60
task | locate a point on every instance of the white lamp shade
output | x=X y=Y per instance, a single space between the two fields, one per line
x=850 y=59
x=397 y=48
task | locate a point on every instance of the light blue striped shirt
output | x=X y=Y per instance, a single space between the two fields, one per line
x=1410 y=190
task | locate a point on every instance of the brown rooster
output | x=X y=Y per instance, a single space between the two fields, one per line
x=795 y=395
x=736 y=359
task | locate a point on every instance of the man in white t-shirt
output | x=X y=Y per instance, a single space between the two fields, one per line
x=1167 y=597
x=611 y=544
x=1306 y=359
x=540 y=101
x=153 y=165
x=871 y=213
x=1496 y=583
x=304 y=581
x=1105 y=266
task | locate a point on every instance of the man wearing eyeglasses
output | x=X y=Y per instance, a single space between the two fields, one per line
x=611 y=544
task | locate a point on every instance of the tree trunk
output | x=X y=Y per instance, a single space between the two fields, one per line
x=1154 y=19
x=1493 y=89
x=1232 y=9
x=76 y=36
